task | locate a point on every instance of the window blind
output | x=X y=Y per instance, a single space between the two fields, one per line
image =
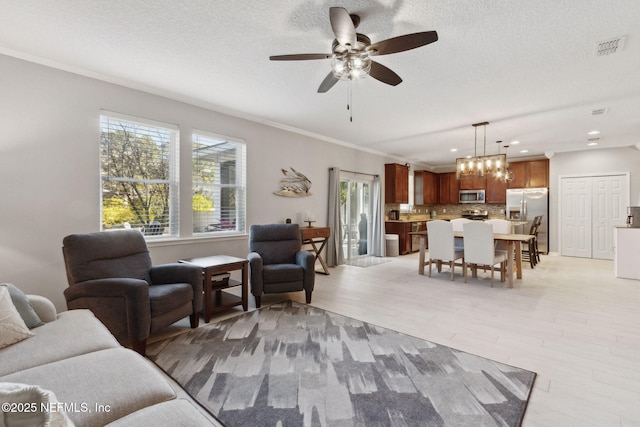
x=139 y=171
x=219 y=184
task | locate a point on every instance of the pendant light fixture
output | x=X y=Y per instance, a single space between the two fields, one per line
x=478 y=166
x=503 y=174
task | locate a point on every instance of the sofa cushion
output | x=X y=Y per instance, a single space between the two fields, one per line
x=75 y=332
x=12 y=327
x=23 y=305
x=174 y=413
x=100 y=387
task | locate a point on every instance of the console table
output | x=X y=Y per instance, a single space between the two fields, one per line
x=218 y=264
x=314 y=236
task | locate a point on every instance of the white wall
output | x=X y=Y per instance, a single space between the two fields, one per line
x=49 y=168
x=607 y=160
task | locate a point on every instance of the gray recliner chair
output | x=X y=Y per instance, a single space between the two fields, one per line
x=110 y=273
x=277 y=262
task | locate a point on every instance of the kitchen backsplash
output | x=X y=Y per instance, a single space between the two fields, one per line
x=445 y=211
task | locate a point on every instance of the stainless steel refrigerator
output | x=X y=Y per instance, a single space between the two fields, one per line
x=525 y=204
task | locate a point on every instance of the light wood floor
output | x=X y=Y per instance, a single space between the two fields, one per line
x=569 y=319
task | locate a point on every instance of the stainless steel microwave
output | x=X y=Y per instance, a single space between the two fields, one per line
x=471 y=196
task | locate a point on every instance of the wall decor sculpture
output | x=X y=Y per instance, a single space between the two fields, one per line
x=294 y=184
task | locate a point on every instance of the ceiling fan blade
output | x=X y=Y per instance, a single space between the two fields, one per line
x=342 y=26
x=299 y=57
x=384 y=74
x=327 y=83
x=402 y=43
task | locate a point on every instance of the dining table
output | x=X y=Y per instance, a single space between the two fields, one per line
x=513 y=244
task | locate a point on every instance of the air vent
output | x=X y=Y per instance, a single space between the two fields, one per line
x=609 y=47
x=599 y=111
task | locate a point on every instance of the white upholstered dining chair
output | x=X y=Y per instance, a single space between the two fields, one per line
x=457 y=224
x=441 y=244
x=501 y=226
x=479 y=249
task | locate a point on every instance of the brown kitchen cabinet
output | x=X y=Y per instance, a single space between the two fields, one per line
x=425 y=188
x=448 y=188
x=496 y=192
x=396 y=183
x=538 y=173
x=530 y=174
x=473 y=183
x=402 y=229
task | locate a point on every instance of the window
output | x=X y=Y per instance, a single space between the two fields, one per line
x=139 y=171
x=219 y=184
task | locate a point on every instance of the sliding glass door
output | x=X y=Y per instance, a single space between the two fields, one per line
x=355 y=212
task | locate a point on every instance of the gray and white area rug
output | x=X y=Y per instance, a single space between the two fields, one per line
x=292 y=364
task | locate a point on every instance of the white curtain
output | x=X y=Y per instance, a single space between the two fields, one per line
x=335 y=256
x=377 y=223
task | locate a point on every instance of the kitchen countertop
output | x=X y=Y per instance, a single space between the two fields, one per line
x=443 y=217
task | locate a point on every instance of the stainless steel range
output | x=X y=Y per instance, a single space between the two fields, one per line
x=475 y=214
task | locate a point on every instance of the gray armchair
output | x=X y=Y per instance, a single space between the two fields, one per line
x=277 y=262
x=110 y=273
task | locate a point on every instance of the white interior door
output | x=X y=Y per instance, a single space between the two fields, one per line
x=575 y=224
x=610 y=195
x=590 y=207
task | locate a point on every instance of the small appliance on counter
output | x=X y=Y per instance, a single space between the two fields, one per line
x=633 y=216
x=394 y=214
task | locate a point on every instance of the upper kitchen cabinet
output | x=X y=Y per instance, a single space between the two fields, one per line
x=425 y=188
x=473 y=183
x=396 y=183
x=448 y=194
x=531 y=174
x=538 y=173
x=496 y=192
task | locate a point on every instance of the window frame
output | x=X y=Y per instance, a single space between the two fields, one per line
x=240 y=184
x=173 y=160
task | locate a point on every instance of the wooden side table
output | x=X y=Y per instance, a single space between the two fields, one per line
x=218 y=264
x=314 y=236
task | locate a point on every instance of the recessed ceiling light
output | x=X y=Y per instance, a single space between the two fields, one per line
x=524 y=151
x=453 y=150
x=515 y=142
x=591 y=144
x=593 y=132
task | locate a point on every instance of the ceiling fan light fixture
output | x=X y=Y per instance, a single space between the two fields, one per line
x=352 y=66
x=351 y=62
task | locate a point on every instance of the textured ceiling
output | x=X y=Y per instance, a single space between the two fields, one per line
x=527 y=67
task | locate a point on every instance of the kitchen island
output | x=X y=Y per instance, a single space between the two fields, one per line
x=626 y=248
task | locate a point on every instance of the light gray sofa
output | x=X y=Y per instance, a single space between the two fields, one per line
x=98 y=381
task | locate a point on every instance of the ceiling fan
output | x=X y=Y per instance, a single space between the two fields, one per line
x=351 y=52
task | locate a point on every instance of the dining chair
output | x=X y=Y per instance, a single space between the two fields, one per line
x=501 y=226
x=479 y=249
x=441 y=244
x=530 y=249
x=457 y=224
